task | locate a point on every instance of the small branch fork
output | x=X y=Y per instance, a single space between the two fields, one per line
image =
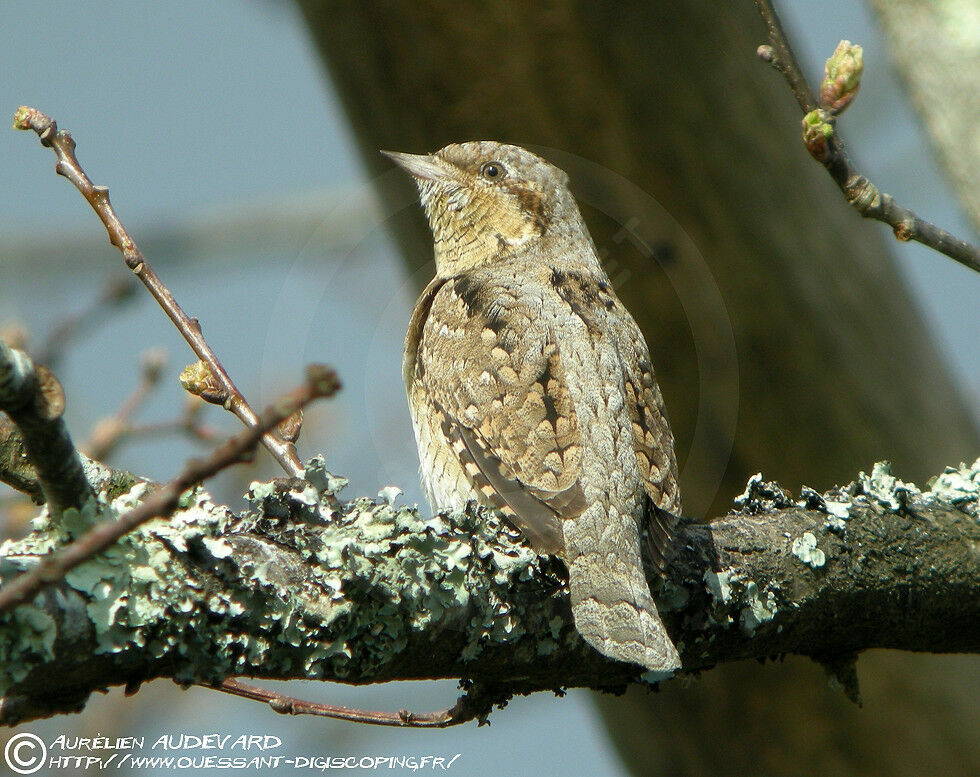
x=828 y=149
x=228 y=395
x=34 y=400
x=220 y=389
x=472 y=705
x=114 y=429
x=321 y=382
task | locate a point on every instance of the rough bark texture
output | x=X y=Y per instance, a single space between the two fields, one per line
x=373 y=592
x=672 y=98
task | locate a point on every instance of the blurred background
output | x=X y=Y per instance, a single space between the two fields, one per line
x=239 y=142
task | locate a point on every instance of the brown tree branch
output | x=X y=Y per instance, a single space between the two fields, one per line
x=16 y=469
x=828 y=149
x=780 y=55
x=230 y=397
x=372 y=593
x=321 y=382
x=473 y=704
x=187 y=424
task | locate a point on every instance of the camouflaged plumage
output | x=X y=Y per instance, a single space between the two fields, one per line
x=531 y=388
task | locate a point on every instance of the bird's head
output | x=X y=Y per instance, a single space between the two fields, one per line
x=486 y=200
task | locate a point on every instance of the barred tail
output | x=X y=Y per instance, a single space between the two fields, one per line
x=611 y=602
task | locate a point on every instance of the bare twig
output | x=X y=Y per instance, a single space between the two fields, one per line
x=470 y=706
x=779 y=54
x=111 y=430
x=187 y=424
x=114 y=429
x=33 y=399
x=98 y=197
x=866 y=198
x=321 y=382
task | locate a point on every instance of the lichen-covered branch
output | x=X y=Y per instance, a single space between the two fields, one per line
x=299 y=586
x=52 y=566
x=33 y=399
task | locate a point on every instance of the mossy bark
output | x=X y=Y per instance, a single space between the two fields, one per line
x=831 y=367
x=299 y=587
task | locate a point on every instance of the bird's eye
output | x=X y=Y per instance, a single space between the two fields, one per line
x=493 y=171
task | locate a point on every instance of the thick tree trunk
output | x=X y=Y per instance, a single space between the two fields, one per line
x=833 y=366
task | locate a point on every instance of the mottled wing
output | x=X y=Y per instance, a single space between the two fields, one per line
x=652 y=438
x=503 y=405
x=593 y=300
x=610 y=597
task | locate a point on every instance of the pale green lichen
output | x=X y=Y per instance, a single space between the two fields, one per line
x=806 y=550
x=36 y=634
x=322 y=479
x=837 y=515
x=959 y=486
x=759 y=610
x=762 y=496
x=652 y=677
x=735 y=597
x=343 y=586
x=839 y=510
x=882 y=487
x=719 y=585
x=390 y=494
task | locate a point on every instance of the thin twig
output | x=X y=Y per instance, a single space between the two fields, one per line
x=471 y=705
x=98 y=197
x=115 y=429
x=779 y=54
x=187 y=424
x=866 y=198
x=321 y=382
x=34 y=400
x=111 y=430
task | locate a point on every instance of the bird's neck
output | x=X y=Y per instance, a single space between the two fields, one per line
x=455 y=256
x=482 y=249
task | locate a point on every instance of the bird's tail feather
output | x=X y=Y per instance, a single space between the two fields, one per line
x=613 y=609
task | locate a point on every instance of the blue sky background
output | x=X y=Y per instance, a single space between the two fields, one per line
x=230 y=162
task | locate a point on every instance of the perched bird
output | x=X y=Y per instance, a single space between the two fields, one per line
x=531 y=389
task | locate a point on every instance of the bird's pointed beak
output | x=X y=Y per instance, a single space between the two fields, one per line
x=425 y=167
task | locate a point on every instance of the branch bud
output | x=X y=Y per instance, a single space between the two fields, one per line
x=23 y=116
x=842 y=77
x=818 y=129
x=198 y=379
x=289 y=428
